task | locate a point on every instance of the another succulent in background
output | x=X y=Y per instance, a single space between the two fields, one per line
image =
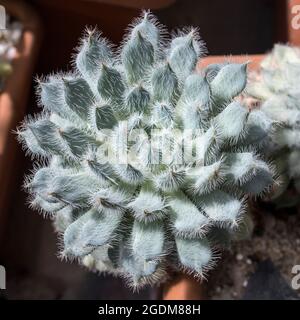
x=9 y=38
x=276 y=86
x=163 y=208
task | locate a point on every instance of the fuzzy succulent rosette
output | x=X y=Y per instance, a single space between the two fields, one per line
x=146 y=164
x=276 y=86
x=9 y=39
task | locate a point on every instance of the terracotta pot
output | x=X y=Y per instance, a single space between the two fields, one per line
x=184 y=287
x=254 y=60
x=13 y=100
x=293 y=21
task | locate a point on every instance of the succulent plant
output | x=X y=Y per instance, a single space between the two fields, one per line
x=276 y=86
x=146 y=163
x=9 y=39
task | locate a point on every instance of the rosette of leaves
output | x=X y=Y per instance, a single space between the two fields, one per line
x=9 y=38
x=276 y=86
x=157 y=210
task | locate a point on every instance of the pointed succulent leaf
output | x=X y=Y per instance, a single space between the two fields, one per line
x=77 y=140
x=110 y=85
x=229 y=82
x=212 y=70
x=169 y=180
x=187 y=220
x=261 y=181
x=208 y=146
x=52 y=97
x=27 y=138
x=101 y=116
x=74 y=243
x=195 y=255
x=100 y=228
x=104 y=171
x=148 y=206
x=48 y=137
x=206 y=178
x=73 y=189
x=196 y=89
x=164 y=84
x=147 y=27
x=195 y=115
x=129 y=174
x=110 y=200
x=183 y=55
x=45 y=206
x=247 y=170
x=137 y=57
x=93 y=51
x=138 y=271
x=79 y=96
x=137 y=100
x=221 y=207
x=63 y=218
x=40 y=180
x=148 y=240
x=163 y=115
x=236 y=115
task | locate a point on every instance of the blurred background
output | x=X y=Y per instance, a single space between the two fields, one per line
x=50 y=30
